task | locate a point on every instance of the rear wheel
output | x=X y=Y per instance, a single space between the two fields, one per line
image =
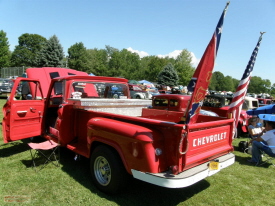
x=115 y=96
x=108 y=172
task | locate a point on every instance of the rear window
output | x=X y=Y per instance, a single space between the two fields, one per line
x=54 y=75
x=160 y=102
x=255 y=104
x=85 y=89
x=173 y=102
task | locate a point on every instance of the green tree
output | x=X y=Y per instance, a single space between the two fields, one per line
x=5 y=53
x=151 y=67
x=217 y=81
x=51 y=55
x=168 y=76
x=235 y=84
x=26 y=53
x=272 y=90
x=184 y=67
x=124 y=64
x=110 y=50
x=78 y=57
x=228 y=84
x=97 y=61
x=258 y=85
x=213 y=83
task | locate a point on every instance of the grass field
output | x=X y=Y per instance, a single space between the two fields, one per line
x=239 y=184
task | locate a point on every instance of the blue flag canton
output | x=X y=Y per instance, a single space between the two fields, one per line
x=218 y=31
x=192 y=84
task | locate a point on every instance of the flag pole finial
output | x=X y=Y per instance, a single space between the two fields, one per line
x=262 y=33
x=227 y=4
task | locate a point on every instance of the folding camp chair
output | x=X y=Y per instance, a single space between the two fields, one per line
x=266 y=155
x=49 y=150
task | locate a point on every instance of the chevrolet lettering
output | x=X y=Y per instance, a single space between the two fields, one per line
x=209 y=139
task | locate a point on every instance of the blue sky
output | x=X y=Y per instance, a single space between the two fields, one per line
x=152 y=27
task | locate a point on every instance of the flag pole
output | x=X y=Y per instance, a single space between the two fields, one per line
x=201 y=78
x=238 y=98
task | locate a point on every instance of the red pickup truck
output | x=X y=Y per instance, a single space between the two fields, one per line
x=147 y=139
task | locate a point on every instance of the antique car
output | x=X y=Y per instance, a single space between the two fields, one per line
x=264 y=101
x=5 y=87
x=136 y=92
x=220 y=105
x=250 y=103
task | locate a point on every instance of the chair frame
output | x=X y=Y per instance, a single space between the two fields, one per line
x=42 y=148
x=268 y=159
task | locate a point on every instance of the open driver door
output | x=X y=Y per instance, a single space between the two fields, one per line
x=22 y=117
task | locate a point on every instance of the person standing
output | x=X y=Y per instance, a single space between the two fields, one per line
x=25 y=90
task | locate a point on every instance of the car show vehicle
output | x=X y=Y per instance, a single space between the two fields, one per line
x=136 y=92
x=250 y=103
x=264 y=101
x=5 y=87
x=220 y=104
x=146 y=139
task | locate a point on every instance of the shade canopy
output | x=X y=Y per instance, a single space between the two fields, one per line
x=268 y=109
x=267 y=117
x=145 y=82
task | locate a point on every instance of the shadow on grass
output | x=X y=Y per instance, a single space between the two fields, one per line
x=40 y=160
x=12 y=148
x=16 y=147
x=137 y=192
x=243 y=158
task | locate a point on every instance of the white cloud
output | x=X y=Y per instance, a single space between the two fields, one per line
x=140 y=53
x=195 y=61
x=172 y=54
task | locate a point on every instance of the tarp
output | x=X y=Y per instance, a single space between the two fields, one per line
x=268 y=109
x=145 y=82
x=133 y=82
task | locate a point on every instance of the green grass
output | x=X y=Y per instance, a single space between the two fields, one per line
x=239 y=184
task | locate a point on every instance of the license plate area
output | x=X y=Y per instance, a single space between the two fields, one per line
x=214 y=165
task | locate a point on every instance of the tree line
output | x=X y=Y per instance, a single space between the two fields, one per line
x=34 y=50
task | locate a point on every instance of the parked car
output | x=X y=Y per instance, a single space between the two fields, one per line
x=208 y=113
x=220 y=105
x=264 y=101
x=114 y=91
x=250 y=103
x=137 y=93
x=152 y=92
x=5 y=87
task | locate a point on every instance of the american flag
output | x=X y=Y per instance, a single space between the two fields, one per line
x=201 y=78
x=238 y=98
